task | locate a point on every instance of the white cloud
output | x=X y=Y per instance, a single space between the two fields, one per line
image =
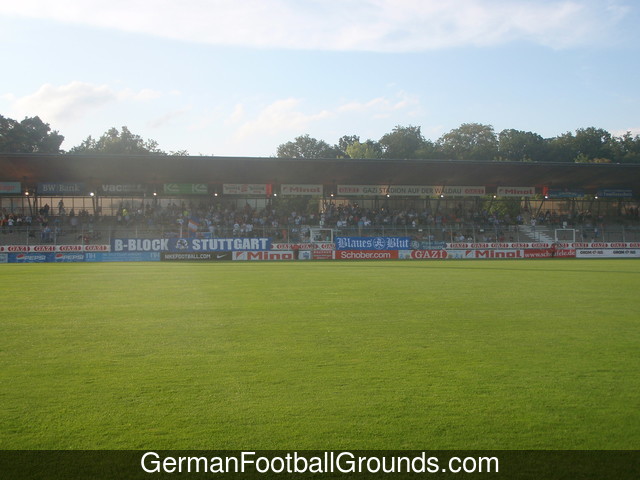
x=71 y=102
x=292 y=116
x=633 y=130
x=280 y=116
x=362 y=25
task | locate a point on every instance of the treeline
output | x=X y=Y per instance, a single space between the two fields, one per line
x=470 y=141
x=476 y=142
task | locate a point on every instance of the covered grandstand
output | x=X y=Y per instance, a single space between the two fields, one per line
x=64 y=199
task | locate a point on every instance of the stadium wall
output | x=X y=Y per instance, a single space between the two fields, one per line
x=343 y=248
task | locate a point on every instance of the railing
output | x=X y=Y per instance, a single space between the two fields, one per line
x=56 y=233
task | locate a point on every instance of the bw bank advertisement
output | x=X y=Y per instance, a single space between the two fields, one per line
x=189 y=244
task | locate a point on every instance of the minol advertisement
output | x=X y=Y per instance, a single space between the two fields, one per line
x=190 y=244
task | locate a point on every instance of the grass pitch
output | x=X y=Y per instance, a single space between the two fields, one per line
x=540 y=354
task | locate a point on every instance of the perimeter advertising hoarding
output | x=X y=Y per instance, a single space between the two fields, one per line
x=607 y=253
x=122 y=257
x=189 y=244
x=366 y=254
x=513 y=254
x=422 y=254
x=372 y=243
x=44 y=257
x=272 y=255
x=193 y=256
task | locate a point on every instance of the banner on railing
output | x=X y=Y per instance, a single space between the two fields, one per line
x=189 y=244
x=373 y=243
x=53 y=248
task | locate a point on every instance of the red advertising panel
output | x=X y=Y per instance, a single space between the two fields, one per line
x=366 y=254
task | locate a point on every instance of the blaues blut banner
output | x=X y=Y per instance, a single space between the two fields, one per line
x=373 y=243
x=189 y=244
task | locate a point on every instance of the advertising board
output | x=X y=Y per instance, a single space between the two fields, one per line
x=607 y=253
x=422 y=254
x=366 y=254
x=122 y=257
x=29 y=257
x=271 y=255
x=10 y=188
x=195 y=256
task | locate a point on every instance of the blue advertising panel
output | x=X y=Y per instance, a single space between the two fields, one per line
x=68 y=257
x=122 y=257
x=33 y=257
x=615 y=193
x=373 y=243
x=565 y=193
x=61 y=189
x=189 y=244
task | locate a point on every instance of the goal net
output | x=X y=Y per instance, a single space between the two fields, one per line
x=565 y=235
x=321 y=235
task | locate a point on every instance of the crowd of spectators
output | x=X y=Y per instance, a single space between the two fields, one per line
x=284 y=221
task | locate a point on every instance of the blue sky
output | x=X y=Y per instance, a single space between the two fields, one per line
x=240 y=77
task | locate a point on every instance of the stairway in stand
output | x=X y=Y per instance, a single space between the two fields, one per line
x=535 y=234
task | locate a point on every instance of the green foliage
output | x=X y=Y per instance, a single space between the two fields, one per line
x=402 y=142
x=470 y=141
x=369 y=149
x=305 y=146
x=31 y=135
x=116 y=142
x=539 y=354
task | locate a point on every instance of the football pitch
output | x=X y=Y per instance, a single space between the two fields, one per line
x=490 y=354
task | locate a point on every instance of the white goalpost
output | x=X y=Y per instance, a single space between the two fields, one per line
x=565 y=235
x=321 y=235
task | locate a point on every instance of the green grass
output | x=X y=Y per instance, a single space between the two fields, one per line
x=540 y=354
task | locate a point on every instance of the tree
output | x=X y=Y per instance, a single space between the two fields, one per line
x=626 y=148
x=519 y=146
x=368 y=149
x=115 y=142
x=593 y=143
x=470 y=141
x=30 y=135
x=305 y=146
x=402 y=142
x=562 y=148
x=344 y=143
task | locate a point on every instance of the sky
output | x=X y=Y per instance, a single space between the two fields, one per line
x=241 y=77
